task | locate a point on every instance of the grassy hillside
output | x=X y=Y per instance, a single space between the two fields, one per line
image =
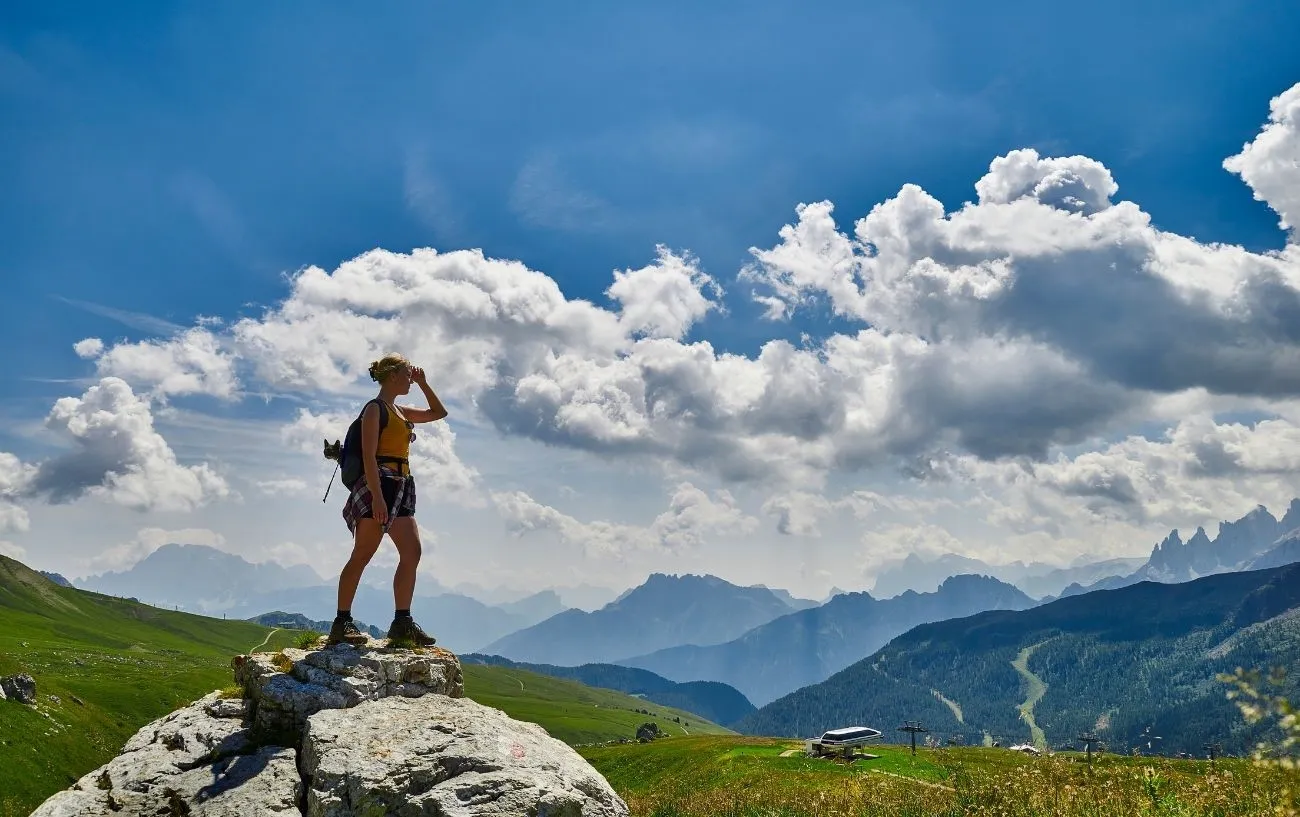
x=572 y=712
x=742 y=776
x=713 y=700
x=104 y=667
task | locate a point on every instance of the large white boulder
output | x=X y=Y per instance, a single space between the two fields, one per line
x=436 y=756
x=341 y=732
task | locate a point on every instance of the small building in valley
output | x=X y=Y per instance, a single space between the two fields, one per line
x=843 y=740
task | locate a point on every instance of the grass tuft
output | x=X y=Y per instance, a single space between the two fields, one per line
x=282 y=662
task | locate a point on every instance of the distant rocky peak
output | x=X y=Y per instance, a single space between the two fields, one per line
x=669 y=588
x=1173 y=540
x=57 y=578
x=962 y=580
x=1200 y=538
x=1257 y=518
x=1172 y=553
x=1249 y=536
x=1291 y=520
x=972 y=583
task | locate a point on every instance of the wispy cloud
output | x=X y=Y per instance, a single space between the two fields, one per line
x=220 y=218
x=427 y=195
x=544 y=196
x=136 y=320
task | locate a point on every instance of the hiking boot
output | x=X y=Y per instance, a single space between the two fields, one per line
x=344 y=631
x=405 y=630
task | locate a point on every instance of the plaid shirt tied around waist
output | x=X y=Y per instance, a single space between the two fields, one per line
x=360 y=503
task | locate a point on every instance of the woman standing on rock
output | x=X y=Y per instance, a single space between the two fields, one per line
x=386 y=436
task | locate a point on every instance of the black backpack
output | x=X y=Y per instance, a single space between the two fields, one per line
x=348 y=453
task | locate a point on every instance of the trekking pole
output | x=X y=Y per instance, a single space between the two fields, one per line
x=331 y=484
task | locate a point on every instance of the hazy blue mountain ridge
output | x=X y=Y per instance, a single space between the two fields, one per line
x=665 y=610
x=202 y=579
x=807 y=646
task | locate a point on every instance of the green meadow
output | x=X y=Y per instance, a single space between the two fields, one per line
x=742 y=776
x=572 y=712
x=104 y=667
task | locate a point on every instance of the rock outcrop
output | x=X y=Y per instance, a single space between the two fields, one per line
x=440 y=755
x=197 y=760
x=647 y=732
x=339 y=732
x=284 y=689
x=22 y=688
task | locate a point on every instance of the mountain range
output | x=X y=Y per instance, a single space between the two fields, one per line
x=807 y=646
x=1137 y=665
x=664 y=611
x=1239 y=545
x=582 y=596
x=1236 y=546
x=198 y=578
x=1256 y=540
x=1037 y=579
x=763 y=641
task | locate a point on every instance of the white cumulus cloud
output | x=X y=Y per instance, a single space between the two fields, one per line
x=15 y=479
x=88 y=348
x=192 y=362
x=118 y=456
x=981 y=344
x=665 y=298
x=1269 y=162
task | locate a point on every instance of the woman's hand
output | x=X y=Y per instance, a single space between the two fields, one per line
x=379 y=511
x=417 y=375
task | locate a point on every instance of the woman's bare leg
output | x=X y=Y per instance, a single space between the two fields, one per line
x=364 y=544
x=406 y=535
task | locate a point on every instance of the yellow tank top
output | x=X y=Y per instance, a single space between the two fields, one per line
x=394 y=441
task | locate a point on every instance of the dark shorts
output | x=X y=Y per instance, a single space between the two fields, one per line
x=399 y=498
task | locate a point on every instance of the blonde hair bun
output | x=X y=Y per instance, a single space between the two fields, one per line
x=386 y=365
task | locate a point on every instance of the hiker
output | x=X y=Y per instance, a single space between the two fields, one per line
x=386 y=434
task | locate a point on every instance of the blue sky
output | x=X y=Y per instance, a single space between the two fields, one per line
x=174 y=159
x=168 y=161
